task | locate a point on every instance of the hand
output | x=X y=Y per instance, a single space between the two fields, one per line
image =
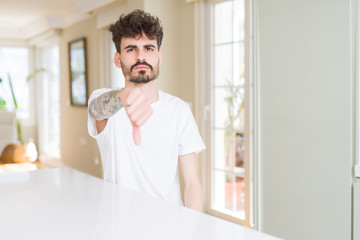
x=137 y=108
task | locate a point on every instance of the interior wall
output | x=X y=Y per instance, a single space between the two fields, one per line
x=112 y=12
x=305 y=118
x=186 y=35
x=168 y=13
x=78 y=149
x=187 y=74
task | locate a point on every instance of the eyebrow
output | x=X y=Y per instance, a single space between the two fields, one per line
x=149 y=45
x=130 y=46
x=135 y=46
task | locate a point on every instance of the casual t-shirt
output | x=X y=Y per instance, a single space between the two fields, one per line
x=152 y=166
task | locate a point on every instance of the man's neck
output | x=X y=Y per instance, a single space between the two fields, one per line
x=149 y=89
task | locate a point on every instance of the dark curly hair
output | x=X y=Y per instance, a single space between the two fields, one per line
x=135 y=24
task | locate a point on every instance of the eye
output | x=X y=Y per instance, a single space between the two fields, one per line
x=130 y=50
x=149 y=49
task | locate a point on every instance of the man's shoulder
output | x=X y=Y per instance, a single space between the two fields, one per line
x=171 y=99
x=100 y=91
x=178 y=108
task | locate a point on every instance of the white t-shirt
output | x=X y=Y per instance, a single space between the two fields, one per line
x=152 y=166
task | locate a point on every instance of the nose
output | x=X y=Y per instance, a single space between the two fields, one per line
x=140 y=56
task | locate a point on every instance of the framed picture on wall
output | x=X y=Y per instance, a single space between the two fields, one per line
x=78 y=72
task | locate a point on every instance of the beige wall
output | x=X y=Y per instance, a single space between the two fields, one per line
x=185 y=33
x=306 y=110
x=78 y=149
x=168 y=13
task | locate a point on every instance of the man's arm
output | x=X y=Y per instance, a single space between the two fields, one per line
x=192 y=189
x=106 y=105
x=132 y=99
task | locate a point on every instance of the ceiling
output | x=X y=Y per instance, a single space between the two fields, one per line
x=23 y=19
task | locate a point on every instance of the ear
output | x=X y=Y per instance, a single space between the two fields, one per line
x=117 y=60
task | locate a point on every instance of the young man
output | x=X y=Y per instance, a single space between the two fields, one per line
x=143 y=133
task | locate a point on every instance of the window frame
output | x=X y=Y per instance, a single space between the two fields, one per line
x=45 y=153
x=356 y=46
x=31 y=120
x=205 y=38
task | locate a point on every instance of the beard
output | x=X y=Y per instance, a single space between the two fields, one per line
x=141 y=77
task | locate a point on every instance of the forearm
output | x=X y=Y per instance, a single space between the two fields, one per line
x=106 y=105
x=193 y=197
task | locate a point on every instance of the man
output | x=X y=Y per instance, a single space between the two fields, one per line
x=144 y=134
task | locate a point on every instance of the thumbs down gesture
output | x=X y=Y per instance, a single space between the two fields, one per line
x=137 y=107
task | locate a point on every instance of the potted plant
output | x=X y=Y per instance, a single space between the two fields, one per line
x=2 y=102
x=22 y=151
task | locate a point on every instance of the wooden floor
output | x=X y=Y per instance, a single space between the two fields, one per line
x=28 y=166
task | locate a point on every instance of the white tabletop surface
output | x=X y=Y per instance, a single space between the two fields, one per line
x=65 y=204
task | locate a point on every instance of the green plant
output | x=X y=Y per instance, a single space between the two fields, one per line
x=34 y=74
x=3 y=102
x=235 y=103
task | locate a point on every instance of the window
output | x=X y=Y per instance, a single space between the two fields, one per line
x=230 y=186
x=14 y=63
x=49 y=103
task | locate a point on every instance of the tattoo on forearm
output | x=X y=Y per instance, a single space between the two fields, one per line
x=105 y=105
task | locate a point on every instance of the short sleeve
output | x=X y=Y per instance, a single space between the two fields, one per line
x=91 y=121
x=190 y=140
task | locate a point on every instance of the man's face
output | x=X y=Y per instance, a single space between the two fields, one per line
x=139 y=59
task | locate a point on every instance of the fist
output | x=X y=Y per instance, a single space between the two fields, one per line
x=137 y=107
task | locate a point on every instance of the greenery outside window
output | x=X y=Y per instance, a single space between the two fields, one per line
x=230 y=163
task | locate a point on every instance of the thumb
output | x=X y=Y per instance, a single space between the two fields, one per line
x=136 y=134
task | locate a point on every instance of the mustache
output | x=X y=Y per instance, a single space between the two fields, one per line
x=141 y=63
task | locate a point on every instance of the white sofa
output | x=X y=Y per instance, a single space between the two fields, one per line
x=7 y=129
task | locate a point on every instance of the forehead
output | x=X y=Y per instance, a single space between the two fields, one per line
x=139 y=40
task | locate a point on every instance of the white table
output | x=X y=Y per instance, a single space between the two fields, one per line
x=65 y=204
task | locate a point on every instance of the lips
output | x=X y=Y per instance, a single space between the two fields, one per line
x=141 y=67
